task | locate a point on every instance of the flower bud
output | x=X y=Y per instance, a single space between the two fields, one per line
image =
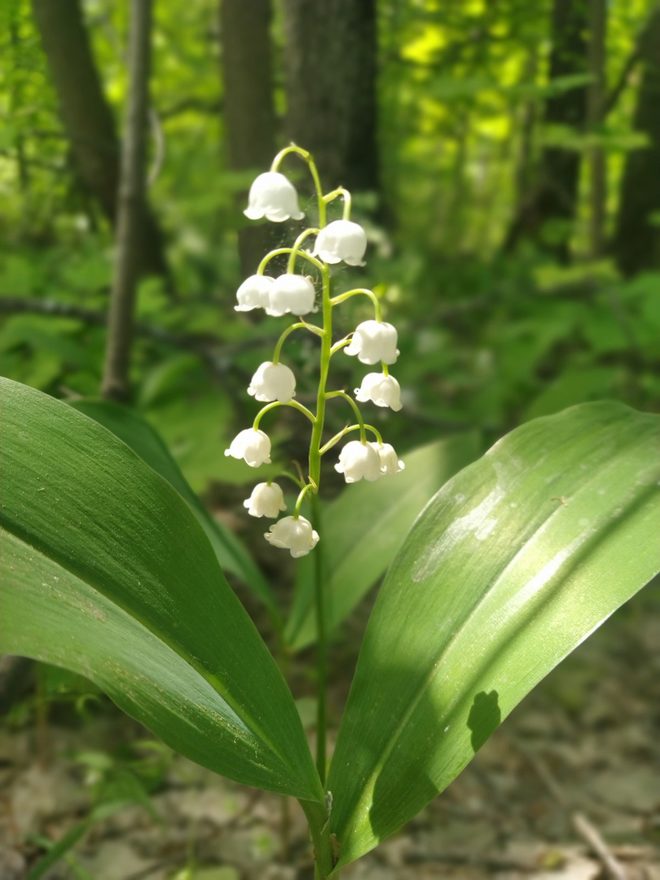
x=358 y=461
x=390 y=463
x=267 y=499
x=293 y=533
x=341 y=240
x=273 y=382
x=253 y=293
x=252 y=446
x=291 y=293
x=274 y=197
x=380 y=389
x=374 y=341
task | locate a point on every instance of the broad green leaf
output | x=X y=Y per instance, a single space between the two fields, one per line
x=363 y=529
x=106 y=571
x=515 y=561
x=148 y=444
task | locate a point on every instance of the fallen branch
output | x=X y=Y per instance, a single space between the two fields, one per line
x=583 y=827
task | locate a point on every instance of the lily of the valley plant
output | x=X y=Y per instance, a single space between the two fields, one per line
x=110 y=566
x=303 y=289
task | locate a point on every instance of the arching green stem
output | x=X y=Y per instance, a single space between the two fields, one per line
x=299 y=325
x=306 y=156
x=356 y=409
x=291 y=265
x=359 y=291
x=277 y=403
x=326 y=345
x=346 y=196
x=347 y=430
x=278 y=252
x=308 y=487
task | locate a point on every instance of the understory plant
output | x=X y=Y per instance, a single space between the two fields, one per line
x=111 y=568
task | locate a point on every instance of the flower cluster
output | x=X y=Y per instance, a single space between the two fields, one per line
x=372 y=342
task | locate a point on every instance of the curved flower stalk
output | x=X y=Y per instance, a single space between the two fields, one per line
x=305 y=288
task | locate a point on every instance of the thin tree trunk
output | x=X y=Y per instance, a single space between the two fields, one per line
x=116 y=383
x=552 y=202
x=637 y=238
x=87 y=117
x=248 y=104
x=595 y=109
x=330 y=65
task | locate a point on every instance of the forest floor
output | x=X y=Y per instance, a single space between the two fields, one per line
x=567 y=789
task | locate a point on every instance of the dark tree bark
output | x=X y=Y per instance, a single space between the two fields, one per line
x=553 y=197
x=248 y=104
x=87 y=117
x=595 y=112
x=131 y=207
x=330 y=64
x=636 y=242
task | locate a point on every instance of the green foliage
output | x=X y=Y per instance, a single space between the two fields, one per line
x=122 y=586
x=512 y=564
x=363 y=529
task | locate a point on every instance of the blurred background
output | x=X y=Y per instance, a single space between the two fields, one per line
x=504 y=157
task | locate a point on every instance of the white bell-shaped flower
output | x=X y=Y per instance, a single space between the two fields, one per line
x=374 y=341
x=273 y=382
x=380 y=389
x=273 y=196
x=267 y=499
x=358 y=461
x=253 y=293
x=390 y=463
x=252 y=446
x=293 y=294
x=293 y=533
x=341 y=240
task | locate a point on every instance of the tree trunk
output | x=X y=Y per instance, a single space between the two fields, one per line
x=553 y=199
x=595 y=114
x=130 y=213
x=87 y=117
x=330 y=65
x=248 y=104
x=637 y=237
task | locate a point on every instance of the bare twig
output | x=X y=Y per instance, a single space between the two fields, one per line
x=583 y=827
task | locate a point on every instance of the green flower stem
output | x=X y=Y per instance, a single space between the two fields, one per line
x=356 y=409
x=341 y=344
x=322 y=646
x=306 y=156
x=363 y=291
x=275 y=404
x=299 y=325
x=291 y=265
x=346 y=196
x=347 y=430
x=308 y=487
x=385 y=369
x=261 y=268
x=317 y=819
x=326 y=345
x=299 y=483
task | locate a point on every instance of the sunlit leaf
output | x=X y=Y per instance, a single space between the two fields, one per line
x=516 y=560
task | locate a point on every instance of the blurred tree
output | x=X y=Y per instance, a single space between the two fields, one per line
x=88 y=119
x=330 y=65
x=637 y=236
x=248 y=103
x=596 y=97
x=553 y=198
x=130 y=207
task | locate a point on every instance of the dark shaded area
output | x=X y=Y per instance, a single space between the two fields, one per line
x=484 y=717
